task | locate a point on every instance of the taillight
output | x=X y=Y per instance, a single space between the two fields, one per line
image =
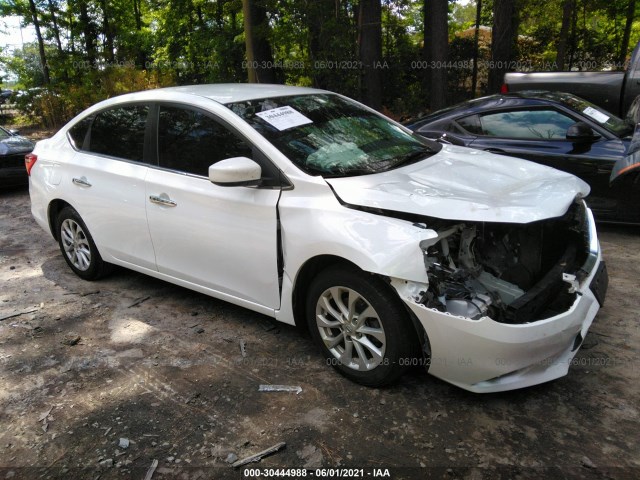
x=504 y=88
x=30 y=160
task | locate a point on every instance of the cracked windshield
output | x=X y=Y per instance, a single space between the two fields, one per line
x=330 y=136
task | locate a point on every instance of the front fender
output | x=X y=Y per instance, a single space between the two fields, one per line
x=316 y=224
x=375 y=243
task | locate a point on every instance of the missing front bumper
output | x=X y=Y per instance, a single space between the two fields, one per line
x=600 y=283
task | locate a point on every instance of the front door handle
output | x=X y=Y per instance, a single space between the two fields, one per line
x=162 y=199
x=82 y=181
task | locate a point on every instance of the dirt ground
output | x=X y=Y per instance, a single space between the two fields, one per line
x=175 y=374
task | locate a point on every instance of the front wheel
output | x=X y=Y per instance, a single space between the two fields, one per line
x=360 y=325
x=78 y=248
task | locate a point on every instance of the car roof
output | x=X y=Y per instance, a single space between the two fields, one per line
x=234 y=92
x=222 y=93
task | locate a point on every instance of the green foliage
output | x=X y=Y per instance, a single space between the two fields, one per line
x=403 y=84
x=595 y=39
x=95 y=49
x=462 y=17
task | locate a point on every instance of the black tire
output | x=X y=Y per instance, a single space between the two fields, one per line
x=388 y=327
x=78 y=248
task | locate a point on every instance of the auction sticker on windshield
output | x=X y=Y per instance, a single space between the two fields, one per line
x=283 y=118
x=596 y=115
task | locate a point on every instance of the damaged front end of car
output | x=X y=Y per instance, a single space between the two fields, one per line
x=509 y=272
x=518 y=298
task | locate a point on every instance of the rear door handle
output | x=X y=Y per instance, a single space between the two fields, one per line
x=82 y=181
x=162 y=199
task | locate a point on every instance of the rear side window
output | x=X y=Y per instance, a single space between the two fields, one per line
x=119 y=132
x=190 y=141
x=471 y=124
x=78 y=133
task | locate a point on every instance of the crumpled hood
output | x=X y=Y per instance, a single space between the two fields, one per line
x=15 y=144
x=464 y=184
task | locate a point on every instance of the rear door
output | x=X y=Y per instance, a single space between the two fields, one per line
x=221 y=238
x=106 y=182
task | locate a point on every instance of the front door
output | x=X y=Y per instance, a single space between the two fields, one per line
x=220 y=238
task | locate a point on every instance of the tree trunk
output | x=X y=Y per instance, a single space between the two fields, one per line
x=427 y=41
x=107 y=32
x=200 y=15
x=573 y=36
x=319 y=12
x=220 y=13
x=622 y=57
x=137 y=14
x=476 y=48
x=259 y=56
x=370 y=49
x=436 y=44
x=43 y=56
x=56 y=34
x=54 y=24
x=141 y=52
x=70 y=22
x=503 y=40
x=567 y=12
x=88 y=32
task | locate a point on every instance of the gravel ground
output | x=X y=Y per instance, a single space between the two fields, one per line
x=98 y=380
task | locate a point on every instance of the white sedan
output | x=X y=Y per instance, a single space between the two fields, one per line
x=304 y=205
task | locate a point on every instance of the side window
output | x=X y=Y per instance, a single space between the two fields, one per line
x=453 y=127
x=471 y=124
x=119 y=132
x=527 y=124
x=78 y=133
x=190 y=141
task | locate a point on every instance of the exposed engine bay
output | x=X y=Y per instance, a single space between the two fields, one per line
x=512 y=273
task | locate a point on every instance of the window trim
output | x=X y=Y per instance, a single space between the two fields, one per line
x=87 y=138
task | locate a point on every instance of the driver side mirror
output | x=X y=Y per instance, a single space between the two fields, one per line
x=581 y=132
x=235 y=172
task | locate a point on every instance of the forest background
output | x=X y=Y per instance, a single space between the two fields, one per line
x=398 y=56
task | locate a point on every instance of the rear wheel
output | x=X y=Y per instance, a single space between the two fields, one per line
x=78 y=248
x=360 y=325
